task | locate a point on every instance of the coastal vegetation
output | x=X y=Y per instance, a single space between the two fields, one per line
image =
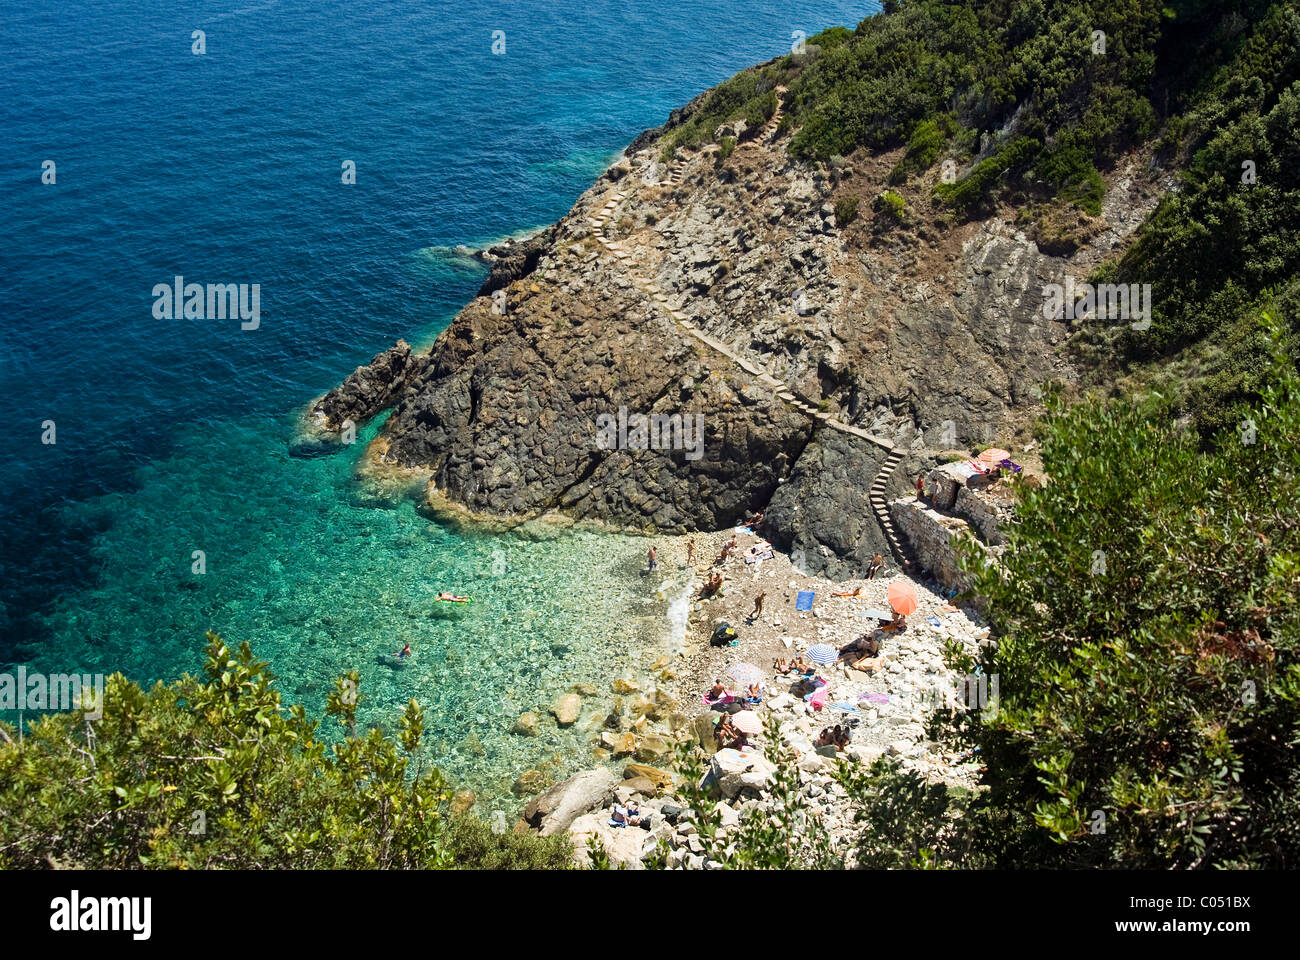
x=215 y=772
x=1031 y=103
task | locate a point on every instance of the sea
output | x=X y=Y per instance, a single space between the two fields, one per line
x=341 y=157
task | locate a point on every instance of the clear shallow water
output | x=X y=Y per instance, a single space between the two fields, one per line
x=173 y=435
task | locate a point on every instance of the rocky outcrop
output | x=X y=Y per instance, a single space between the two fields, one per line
x=513 y=260
x=726 y=293
x=821 y=514
x=370 y=389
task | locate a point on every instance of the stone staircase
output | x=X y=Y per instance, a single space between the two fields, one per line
x=880 y=506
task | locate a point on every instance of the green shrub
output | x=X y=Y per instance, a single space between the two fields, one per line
x=971 y=192
x=928 y=139
x=846 y=209
x=1148 y=633
x=891 y=205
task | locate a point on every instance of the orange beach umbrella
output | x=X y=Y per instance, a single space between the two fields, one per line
x=902 y=597
x=994 y=456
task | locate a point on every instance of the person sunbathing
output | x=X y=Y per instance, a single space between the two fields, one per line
x=898 y=623
x=847 y=593
x=864 y=646
x=800 y=665
x=711 y=585
x=755 y=693
x=825 y=739
x=805 y=685
x=782 y=667
x=718 y=691
x=629 y=815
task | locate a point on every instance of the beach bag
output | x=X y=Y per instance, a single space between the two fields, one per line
x=724 y=634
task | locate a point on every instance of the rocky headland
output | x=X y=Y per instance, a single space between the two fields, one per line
x=825 y=358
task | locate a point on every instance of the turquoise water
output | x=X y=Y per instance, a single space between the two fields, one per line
x=323 y=573
x=174 y=436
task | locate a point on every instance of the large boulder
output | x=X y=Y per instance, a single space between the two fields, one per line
x=703 y=727
x=734 y=770
x=661 y=778
x=559 y=806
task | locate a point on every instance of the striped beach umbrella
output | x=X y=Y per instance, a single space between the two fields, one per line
x=747 y=721
x=745 y=674
x=822 y=653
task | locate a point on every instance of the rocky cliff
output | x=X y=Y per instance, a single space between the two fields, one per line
x=725 y=286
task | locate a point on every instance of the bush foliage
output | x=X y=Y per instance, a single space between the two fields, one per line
x=217 y=773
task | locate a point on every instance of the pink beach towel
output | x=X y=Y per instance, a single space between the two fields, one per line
x=727 y=697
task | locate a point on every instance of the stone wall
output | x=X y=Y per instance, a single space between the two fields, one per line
x=933 y=537
x=982 y=512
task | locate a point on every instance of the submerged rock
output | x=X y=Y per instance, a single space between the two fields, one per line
x=526 y=725
x=530 y=781
x=566 y=709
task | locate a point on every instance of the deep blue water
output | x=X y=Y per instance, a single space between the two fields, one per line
x=225 y=167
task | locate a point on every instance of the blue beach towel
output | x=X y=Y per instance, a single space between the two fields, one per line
x=805 y=600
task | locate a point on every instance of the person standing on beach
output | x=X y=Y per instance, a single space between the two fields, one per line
x=758 y=605
x=920 y=485
x=690 y=552
x=654 y=563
